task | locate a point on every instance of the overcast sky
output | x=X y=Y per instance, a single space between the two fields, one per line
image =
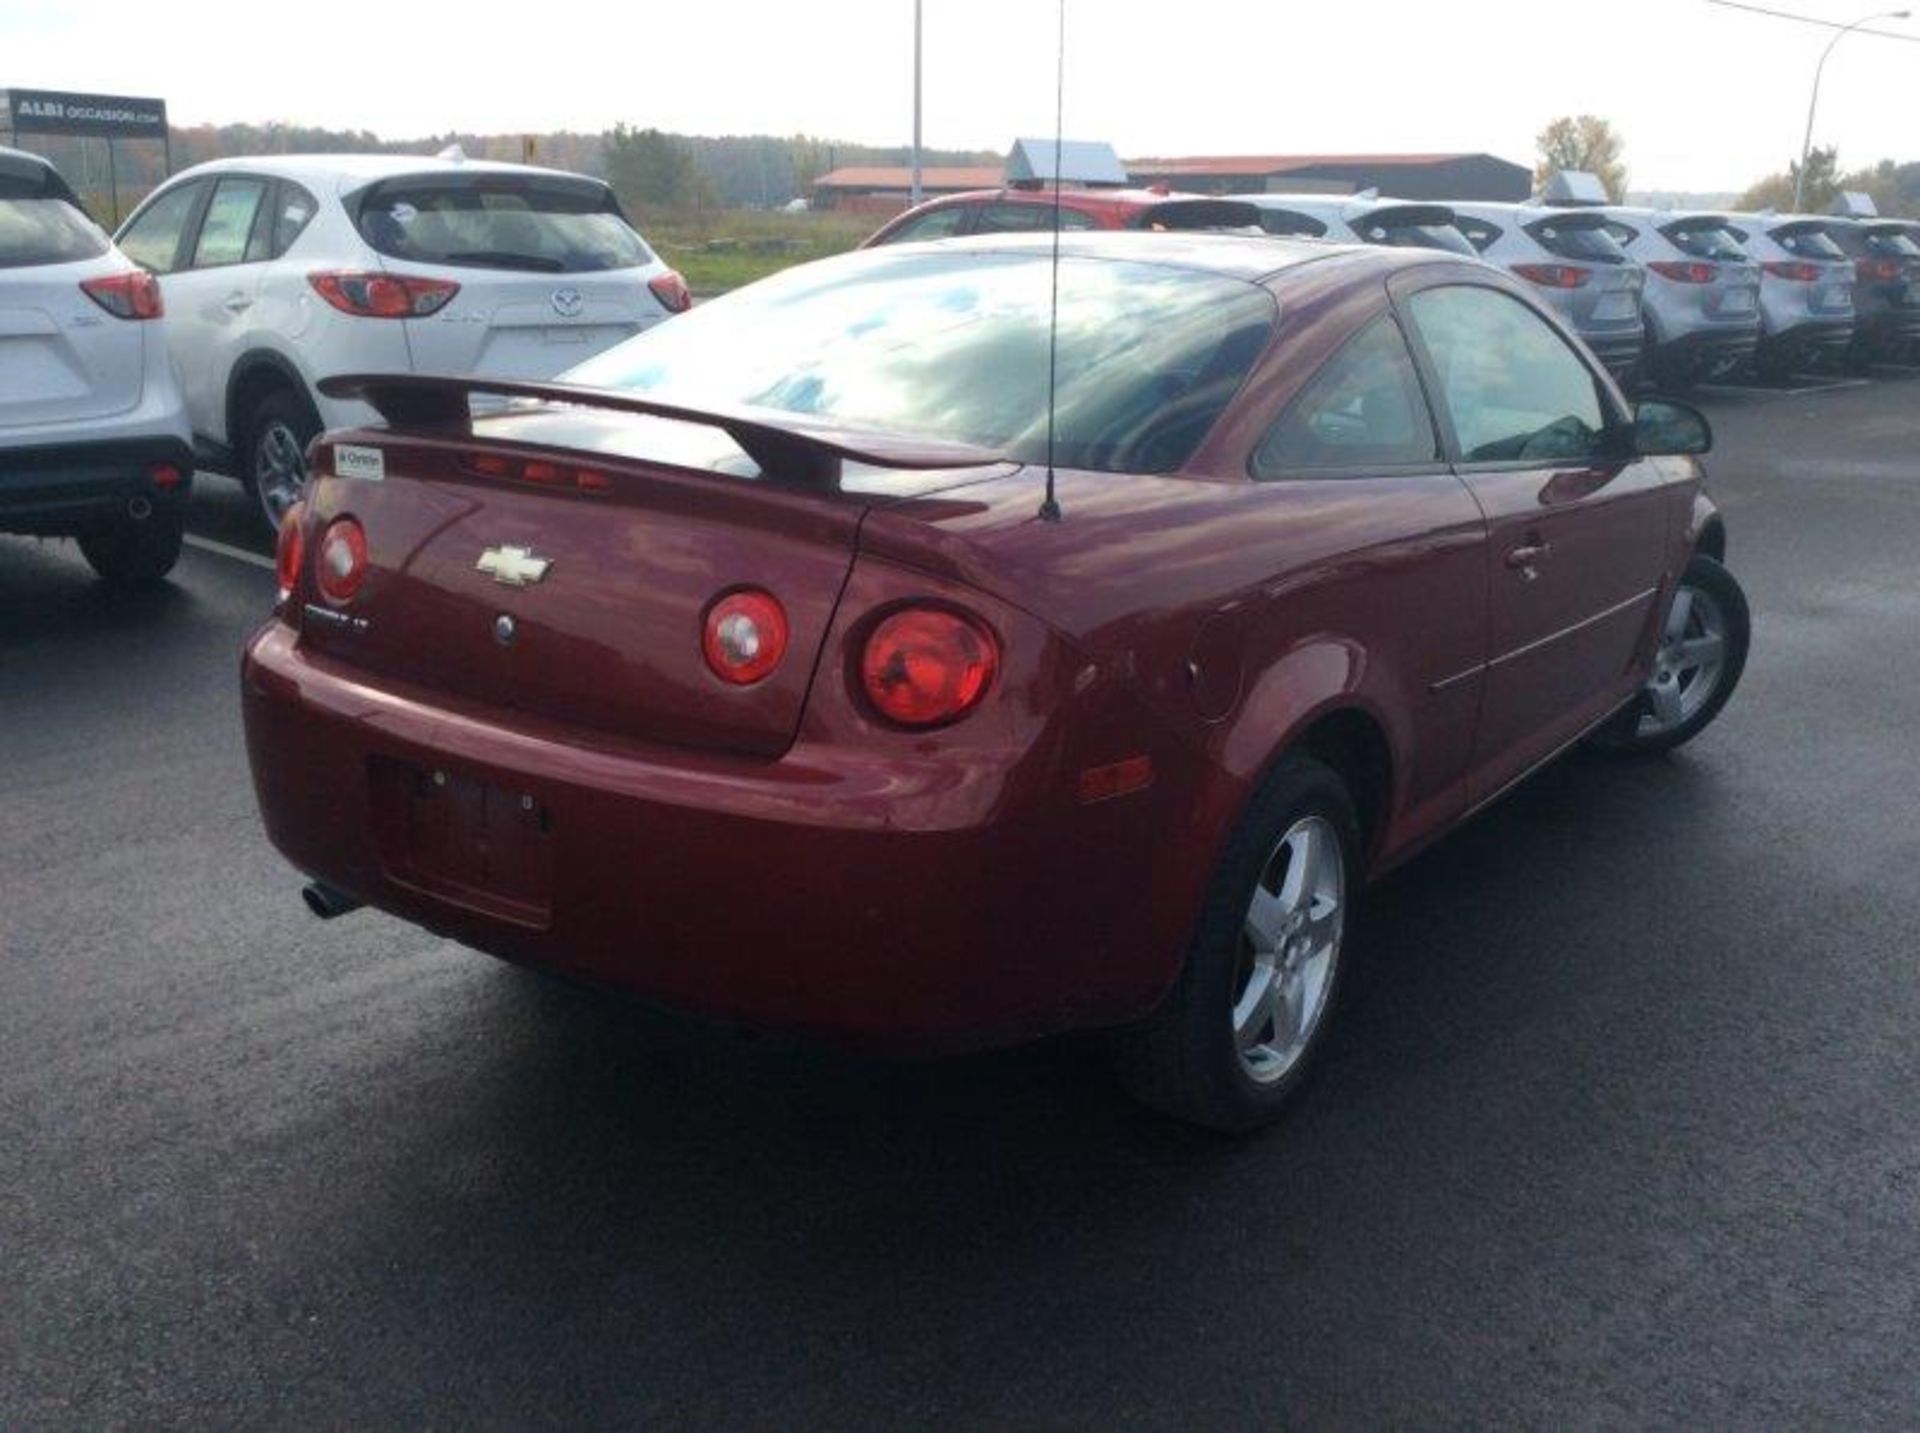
x=1706 y=98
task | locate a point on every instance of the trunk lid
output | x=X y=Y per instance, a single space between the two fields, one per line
x=608 y=636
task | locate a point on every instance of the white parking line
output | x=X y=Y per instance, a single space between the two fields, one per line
x=238 y=554
x=1808 y=386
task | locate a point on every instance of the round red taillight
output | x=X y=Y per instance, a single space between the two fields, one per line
x=745 y=636
x=340 y=565
x=289 y=549
x=926 y=665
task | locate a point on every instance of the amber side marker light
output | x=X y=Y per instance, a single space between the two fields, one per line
x=1122 y=778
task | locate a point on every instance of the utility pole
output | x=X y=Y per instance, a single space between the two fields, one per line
x=914 y=197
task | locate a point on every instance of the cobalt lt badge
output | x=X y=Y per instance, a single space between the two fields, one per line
x=513 y=566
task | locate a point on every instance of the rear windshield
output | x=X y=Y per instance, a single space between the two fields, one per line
x=1396 y=234
x=1808 y=243
x=1709 y=239
x=954 y=345
x=1480 y=232
x=500 y=222
x=1892 y=245
x=1590 y=242
x=46 y=231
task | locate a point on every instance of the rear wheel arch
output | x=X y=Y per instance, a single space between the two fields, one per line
x=254 y=377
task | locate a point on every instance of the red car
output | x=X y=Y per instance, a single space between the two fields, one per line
x=1020 y=211
x=763 y=670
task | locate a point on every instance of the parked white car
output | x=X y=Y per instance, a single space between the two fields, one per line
x=283 y=271
x=1360 y=219
x=93 y=430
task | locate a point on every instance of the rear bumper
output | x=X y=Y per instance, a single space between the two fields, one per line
x=1709 y=350
x=1813 y=339
x=66 y=487
x=914 y=902
x=1619 y=353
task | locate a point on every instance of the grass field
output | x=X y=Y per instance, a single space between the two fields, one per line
x=722 y=249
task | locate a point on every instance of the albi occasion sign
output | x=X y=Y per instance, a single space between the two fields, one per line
x=56 y=112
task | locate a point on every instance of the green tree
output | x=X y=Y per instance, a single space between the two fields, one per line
x=650 y=169
x=1776 y=190
x=1583 y=142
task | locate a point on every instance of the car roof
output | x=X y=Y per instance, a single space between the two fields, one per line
x=1658 y=216
x=349 y=170
x=1069 y=197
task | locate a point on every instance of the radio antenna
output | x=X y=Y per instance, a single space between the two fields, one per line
x=1050 y=507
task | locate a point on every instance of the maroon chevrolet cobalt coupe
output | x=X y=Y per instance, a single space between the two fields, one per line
x=759 y=668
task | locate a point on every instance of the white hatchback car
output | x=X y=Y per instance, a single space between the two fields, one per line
x=93 y=434
x=283 y=271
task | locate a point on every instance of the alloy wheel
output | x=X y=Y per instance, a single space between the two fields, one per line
x=1688 y=668
x=279 y=469
x=1289 y=948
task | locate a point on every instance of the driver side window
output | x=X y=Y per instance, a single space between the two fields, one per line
x=1514 y=390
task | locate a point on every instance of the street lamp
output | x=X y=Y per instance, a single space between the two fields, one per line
x=1806 y=145
x=913 y=200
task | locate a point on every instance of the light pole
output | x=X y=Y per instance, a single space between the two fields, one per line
x=914 y=199
x=1806 y=145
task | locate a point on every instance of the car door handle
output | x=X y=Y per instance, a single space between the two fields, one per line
x=237 y=303
x=1529 y=554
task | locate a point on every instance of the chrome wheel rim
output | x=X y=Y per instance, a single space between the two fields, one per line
x=1289 y=949
x=1689 y=665
x=279 y=470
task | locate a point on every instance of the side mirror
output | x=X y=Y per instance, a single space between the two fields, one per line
x=1670 y=430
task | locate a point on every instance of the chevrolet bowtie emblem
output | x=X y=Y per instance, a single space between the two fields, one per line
x=513 y=566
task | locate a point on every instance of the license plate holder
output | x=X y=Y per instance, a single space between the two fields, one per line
x=1611 y=307
x=465 y=840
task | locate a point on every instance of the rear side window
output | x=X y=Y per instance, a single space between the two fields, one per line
x=934 y=224
x=225 y=232
x=1414 y=236
x=1590 y=243
x=494 y=221
x=46 y=231
x=1705 y=241
x=1809 y=243
x=1363 y=411
x=1024 y=218
x=293 y=210
x=152 y=238
x=1512 y=387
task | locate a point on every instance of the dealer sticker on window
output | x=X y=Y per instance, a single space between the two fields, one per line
x=355 y=462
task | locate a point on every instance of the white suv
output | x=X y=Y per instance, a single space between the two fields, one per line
x=93 y=434
x=284 y=271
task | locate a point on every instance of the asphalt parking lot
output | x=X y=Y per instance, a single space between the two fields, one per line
x=1621 y=1123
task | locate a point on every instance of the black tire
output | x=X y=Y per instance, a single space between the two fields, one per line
x=1637 y=730
x=279 y=418
x=1185 y=1060
x=130 y=552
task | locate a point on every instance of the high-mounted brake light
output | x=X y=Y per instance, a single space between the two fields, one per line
x=1794 y=271
x=1695 y=271
x=340 y=563
x=376 y=295
x=745 y=636
x=672 y=291
x=133 y=295
x=927 y=665
x=537 y=470
x=290 y=549
x=1554 y=276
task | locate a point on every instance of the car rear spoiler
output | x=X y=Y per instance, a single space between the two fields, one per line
x=795 y=447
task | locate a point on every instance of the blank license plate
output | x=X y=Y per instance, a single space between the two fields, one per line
x=465 y=840
x=1615 y=306
x=1737 y=301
